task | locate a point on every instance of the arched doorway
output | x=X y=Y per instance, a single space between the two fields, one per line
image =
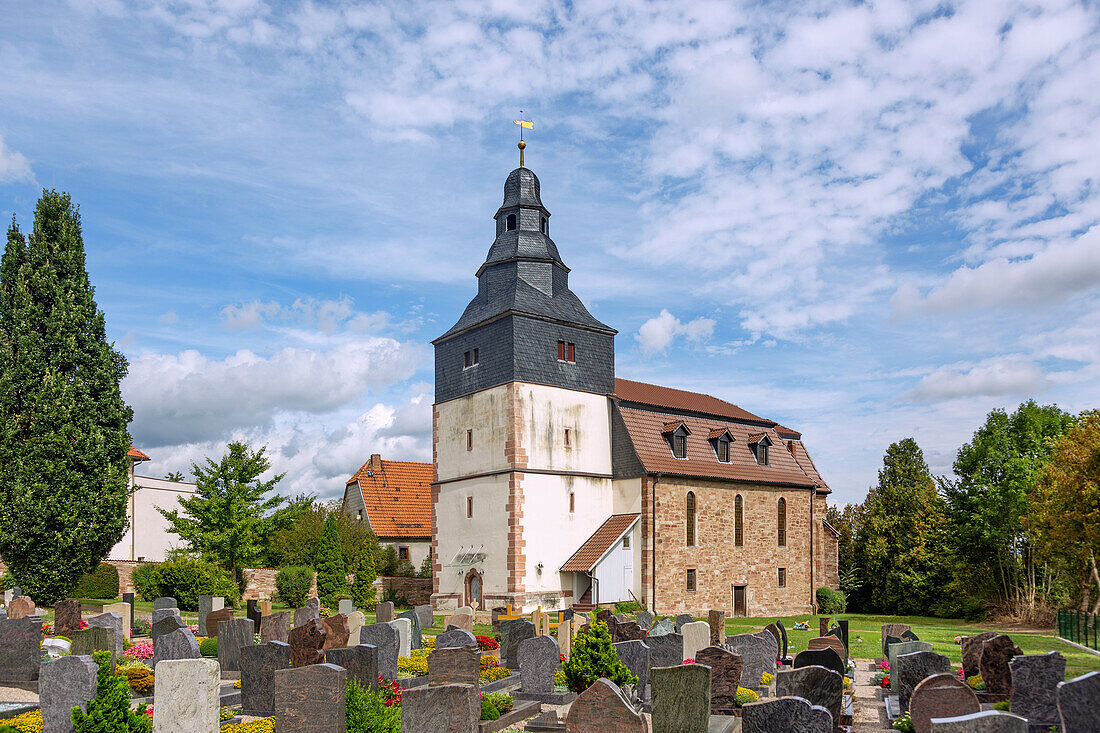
x=473 y=589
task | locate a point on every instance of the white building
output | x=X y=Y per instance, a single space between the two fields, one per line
x=147 y=534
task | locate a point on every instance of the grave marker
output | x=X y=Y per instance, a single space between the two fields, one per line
x=914 y=668
x=757 y=656
x=538 y=661
x=603 y=709
x=404 y=638
x=1035 y=679
x=681 y=698
x=337 y=631
x=233 y=635
x=440 y=709
x=426 y=615
x=112 y=622
x=207 y=604
x=665 y=651
x=454 y=666
x=941 y=696
x=20 y=607
x=635 y=657
x=383 y=612
x=310 y=699
x=276 y=627
x=696 y=637
x=996 y=654
x=725 y=677
x=903 y=647
x=63 y=684
x=125 y=613
x=386 y=639
x=252 y=612
x=258 y=666
x=1077 y=703
x=415 y=637
x=972 y=652
x=66 y=617
x=785 y=715
x=817 y=685
x=306 y=644
x=457 y=638
x=717 y=622
x=827 y=658
x=989 y=721
x=512 y=633
x=361 y=662
x=355 y=622
x=187 y=696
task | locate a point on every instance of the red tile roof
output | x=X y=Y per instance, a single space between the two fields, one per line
x=596 y=546
x=678 y=400
x=135 y=453
x=397 y=496
x=802 y=458
x=644 y=428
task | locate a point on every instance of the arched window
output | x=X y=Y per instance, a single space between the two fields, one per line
x=691 y=519
x=782 y=522
x=738 y=521
x=511 y=222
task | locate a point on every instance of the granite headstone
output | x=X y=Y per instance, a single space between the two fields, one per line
x=603 y=709
x=455 y=638
x=337 y=631
x=112 y=621
x=1035 y=679
x=63 y=684
x=386 y=640
x=416 y=640
x=635 y=657
x=383 y=612
x=696 y=637
x=276 y=627
x=258 y=665
x=307 y=643
x=1077 y=703
x=538 y=661
x=785 y=715
x=188 y=693
x=987 y=721
x=940 y=696
x=361 y=662
x=310 y=699
x=66 y=617
x=233 y=635
x=996 y=655
x=440 y=709
x=725 y=677
x=206 y=605
x=815 y=684
x=455 y=666
x=665 y=651
x=512 y=634
x=827 y=658
x=914 y=668
x=971 y=647
x=681 y=698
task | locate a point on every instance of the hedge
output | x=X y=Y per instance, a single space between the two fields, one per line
x=101 y=583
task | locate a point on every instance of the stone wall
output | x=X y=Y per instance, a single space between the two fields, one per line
x=417 y=590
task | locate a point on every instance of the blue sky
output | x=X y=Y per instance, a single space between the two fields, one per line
x=863 y=220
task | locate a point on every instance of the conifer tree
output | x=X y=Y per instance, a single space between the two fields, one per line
x=593 y=657
x=63 y=440
x=362 y=589
x=109 y=711
x=331 y=570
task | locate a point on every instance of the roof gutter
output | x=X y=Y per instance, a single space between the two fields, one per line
x=653 y=542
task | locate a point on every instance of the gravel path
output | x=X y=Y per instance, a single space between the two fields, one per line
x=870 y=713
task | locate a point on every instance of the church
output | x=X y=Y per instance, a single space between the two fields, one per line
x=555 y=484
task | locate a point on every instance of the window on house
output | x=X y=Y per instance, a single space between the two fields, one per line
x=738 y=521
x=782 y=522
x=572 y=502
x=568 y=438
x=626 y=542
x=782 y=577
x=469 y=440
x=470 y=358
x=360 y=515
x=691 y=580
x=691 y=519
x=567 y=351
x=511 y=222
x=761 y=453
x=402 y=553
x=469 y=507
x=723 y=450
x=679 y=446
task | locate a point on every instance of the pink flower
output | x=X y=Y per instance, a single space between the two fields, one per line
x=689 y=661
x=143 y=650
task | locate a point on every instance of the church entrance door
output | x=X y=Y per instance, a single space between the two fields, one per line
x=473 y=589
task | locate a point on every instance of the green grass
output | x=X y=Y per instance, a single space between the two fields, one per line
x=939 y=631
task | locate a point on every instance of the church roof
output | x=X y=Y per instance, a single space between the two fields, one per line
x=397 y=496
x=679 y=400
x=598 y=545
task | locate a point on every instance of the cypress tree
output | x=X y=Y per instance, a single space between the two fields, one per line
x=63 y=441
x=332 y=579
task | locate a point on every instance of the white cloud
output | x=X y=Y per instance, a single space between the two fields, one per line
x=13 y=166
x=657 y=333
x=187 y=397
x=998 y=376
x=325 y=316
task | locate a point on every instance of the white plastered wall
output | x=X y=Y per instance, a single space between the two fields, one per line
x=148 y=536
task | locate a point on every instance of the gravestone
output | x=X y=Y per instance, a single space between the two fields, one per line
x=383 y=612
x=895 y=630
x=843 y=625
x=214 y=618
x=345 y=606
x=20 y=652
x=233 y=635
x=827 y=658
x=996 y=654
x=725 y=677
x=131 y=599
x=635 y=657
x=941 y=696
x=386 y=640
x=207 y=604
x=456 y=638
x=415 y=639
x=276 y=627
x=1035 y=679
x=306 y=644
x=989 y=721
x=465 y=609
x=265 y=607
x=565 y=637
x=124 y=614
x=696 y=637
x=914 y=668
x=20 y=607
x=361 y=662
x=63 y=684
x=783 y=640
x=66 y=617
x=512 y=634
x=823 y=625
x=628 y=631
x=1077 y=703
x=644 y=619
x=603 y=616
x=337 y=631
x=785 y=715
x=310 y=699
x=972 y=652
x=164 y=602
x=909 y=635
x=163 y=607
x=173 y=641
x=258 y=665
x=757 y=656
x=662 y=627
x=603 y=709
x=404 y=638
x=356 y=620
x=817 y=685
x=774 y=631
x=681 y=698
x=455 y=666
x=188 y=696
x=94 y=639
x=716 y=620
x=440 y=709
x=665 y=651
x=252 y=612
x=830 y=641
x=683 y=618
x=538 y=661
x=305 y=614
x=426 y=615
x=113 y=622
x=903 y=647
x=460 y=621
x=772 y=644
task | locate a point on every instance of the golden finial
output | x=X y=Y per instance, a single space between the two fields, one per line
x=522 y=124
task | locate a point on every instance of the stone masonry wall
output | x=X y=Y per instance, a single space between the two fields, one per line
x=718 y=563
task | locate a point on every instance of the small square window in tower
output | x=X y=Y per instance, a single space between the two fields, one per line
x=691 y=580
x=469 y=507
x=470 y=358
x=469 y=440
x=568 y=438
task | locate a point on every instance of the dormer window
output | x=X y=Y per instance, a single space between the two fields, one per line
x=676 y=434
x=510 y=223
x=720 y=440
x=759 y=444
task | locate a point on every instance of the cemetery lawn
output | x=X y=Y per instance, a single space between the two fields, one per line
x=941 y=632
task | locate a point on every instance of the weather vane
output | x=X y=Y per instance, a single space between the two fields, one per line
x=522 y=124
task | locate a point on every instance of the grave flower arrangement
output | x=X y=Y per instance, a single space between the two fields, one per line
x=141 y=627
x=766 y=679
x=904 y=724
x=428 y=642
x=408 y=667
x=390 y=692
x=745 y=696
x=139 y=651
x=263 y=725
x=484 y=643
x=24 y=722
x=976 y=682
x=491 y=671
x=139 y=675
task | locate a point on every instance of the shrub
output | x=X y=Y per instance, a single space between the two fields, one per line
x=502 y=701
x=293 y=584
x=139 y=677
x=109 y=711
x=488 y=710
x=331 y=569
x=366 y=712
x=745 y=696
x=593 y=657
x=184 y=578
x=145 y=581
x=410 y=667
x=209 y=647
x=102 y=582
x=628 y=607
x=831 y=601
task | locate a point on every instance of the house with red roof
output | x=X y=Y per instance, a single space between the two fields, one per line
x=394 y=499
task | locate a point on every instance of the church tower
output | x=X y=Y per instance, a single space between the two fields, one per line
x=521 y=422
